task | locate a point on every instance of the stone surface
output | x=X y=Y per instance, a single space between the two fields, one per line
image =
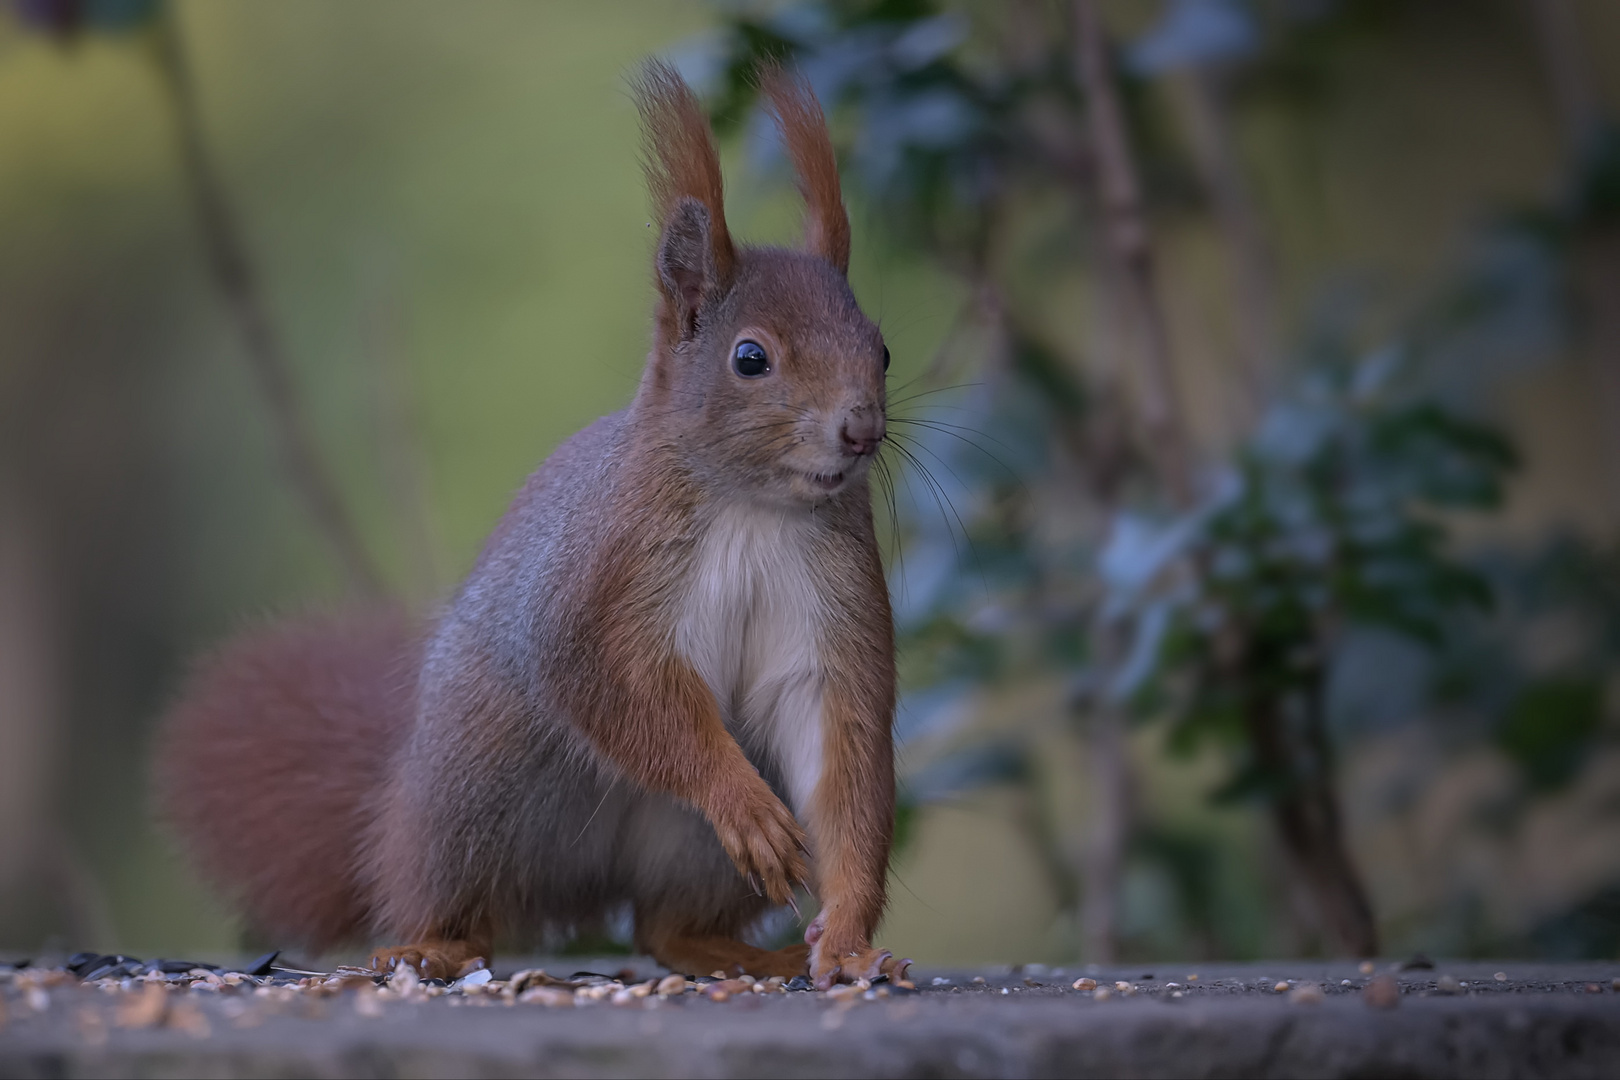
x=1542 y=1020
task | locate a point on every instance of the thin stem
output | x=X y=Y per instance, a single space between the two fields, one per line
x=236 y=278
x=1125 y=221
x=1202 y=108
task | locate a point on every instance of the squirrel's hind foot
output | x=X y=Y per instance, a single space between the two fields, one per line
x=867 y=964
x=433 y=959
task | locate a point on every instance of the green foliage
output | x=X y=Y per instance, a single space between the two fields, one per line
x=1330 y=517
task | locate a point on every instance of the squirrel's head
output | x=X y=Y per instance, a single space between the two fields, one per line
x=765 y=374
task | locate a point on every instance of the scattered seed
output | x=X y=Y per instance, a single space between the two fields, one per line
x=1593 y=988
x=263 y=964
x=978 y=979
x=724 y=989
x=1448 y=984
x=1501 y=976
x=1366 y=967
x=1280 y=988
x=1193 y=977
x=143 y=1010
x=671 y=985
x=1306 y=994
x=478 y=977
x=1085 y=984
x=1383 y=992
x=546 y=995
x=187 y=1017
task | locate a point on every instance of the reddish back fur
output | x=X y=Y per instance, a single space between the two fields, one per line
x=809 y=147
x=268 y=766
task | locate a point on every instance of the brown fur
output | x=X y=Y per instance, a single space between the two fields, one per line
x=562 y=753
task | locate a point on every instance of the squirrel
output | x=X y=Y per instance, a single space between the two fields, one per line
x=668 y=681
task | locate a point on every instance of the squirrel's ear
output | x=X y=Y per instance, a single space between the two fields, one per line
x=804 y=133
x=695 y=254
x=686 y=262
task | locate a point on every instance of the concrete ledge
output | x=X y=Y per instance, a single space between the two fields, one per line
x=1230 y=1024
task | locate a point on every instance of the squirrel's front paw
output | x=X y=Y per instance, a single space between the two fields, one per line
x=764 y=841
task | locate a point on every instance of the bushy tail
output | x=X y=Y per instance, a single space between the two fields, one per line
x=269 y=766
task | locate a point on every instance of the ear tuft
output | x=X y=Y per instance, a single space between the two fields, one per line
x=809 y=147
x=682 y=167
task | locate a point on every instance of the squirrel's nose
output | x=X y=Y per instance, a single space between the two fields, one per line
x=861 y=431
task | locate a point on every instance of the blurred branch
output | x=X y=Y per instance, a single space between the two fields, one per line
x=399 y=442
x=1129 y=250
x=1125 y=221
x=30 y=697
x=1306 y=811
x=237 y=280
x=1574 y=96
x=1597 y=259
x=1201 y=105
x=1103 y=856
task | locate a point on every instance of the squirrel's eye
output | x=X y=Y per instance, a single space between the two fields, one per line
x=885 y=358
x=749 y=360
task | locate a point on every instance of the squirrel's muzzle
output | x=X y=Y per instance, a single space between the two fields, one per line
x=862 y=430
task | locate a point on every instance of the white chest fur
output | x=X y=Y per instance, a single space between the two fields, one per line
x=749 y=624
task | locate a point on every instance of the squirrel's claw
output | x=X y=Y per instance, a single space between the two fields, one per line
x=869 y=963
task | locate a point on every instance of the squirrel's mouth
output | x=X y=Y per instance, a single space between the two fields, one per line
x=826 y=481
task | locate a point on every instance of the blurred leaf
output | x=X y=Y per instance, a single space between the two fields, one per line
x=980 y=765
x=1550 y=729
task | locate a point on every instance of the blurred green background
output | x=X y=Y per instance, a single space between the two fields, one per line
x=1384 y=270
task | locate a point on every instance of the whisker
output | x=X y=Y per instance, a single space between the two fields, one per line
x=953 y=431
x=937 y=492
x=929 y=393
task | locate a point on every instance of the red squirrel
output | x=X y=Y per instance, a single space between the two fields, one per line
x=668 y=681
